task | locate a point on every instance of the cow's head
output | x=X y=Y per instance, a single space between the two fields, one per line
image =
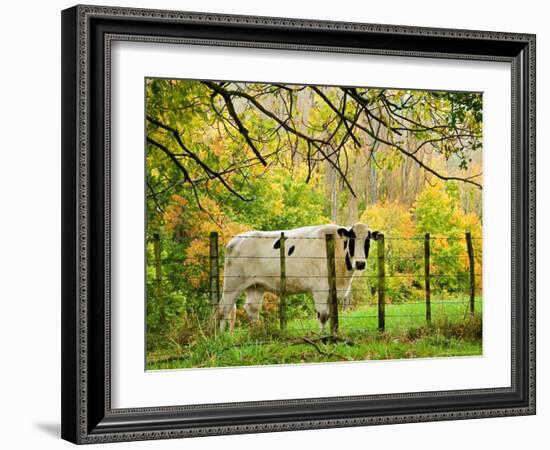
x=356 y=245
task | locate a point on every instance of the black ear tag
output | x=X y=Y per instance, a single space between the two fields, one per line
x=343 y=232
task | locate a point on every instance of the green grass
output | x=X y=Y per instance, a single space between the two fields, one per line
x=453 y=333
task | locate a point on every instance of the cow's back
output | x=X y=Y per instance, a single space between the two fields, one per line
x=253 y=257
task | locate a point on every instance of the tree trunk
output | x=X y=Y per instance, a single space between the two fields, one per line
x=370 y=188
x=331 y=192
x=353 y=202
x=333 y=196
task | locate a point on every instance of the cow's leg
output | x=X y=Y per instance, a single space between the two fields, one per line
x=227 y=308
x=232 y=318
x=322 y=307
x=253 y=304
x=347 y=299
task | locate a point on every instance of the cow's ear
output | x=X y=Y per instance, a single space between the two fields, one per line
x=375 y=234
x=343 y=232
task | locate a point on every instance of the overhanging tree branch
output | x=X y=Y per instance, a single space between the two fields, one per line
x=315 y=142
x=195 y=158
x=242 y=129
x=352 y=114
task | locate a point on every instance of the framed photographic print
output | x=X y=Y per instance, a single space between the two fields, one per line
x=281 y=224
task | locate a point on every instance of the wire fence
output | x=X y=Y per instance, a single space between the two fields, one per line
x=276 y=235
x=286 y=271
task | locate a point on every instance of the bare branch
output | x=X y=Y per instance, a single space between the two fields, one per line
x=195 y=158
x=231 y=109
x=315 y=142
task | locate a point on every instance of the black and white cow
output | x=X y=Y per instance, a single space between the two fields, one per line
x=252 y=266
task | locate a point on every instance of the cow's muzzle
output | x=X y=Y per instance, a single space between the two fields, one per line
x=360 y=265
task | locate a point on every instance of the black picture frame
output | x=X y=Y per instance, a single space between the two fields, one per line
x=87 y=416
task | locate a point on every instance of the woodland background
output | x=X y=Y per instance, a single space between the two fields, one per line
x=230 y=157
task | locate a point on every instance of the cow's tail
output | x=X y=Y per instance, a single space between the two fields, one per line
x=227 y=313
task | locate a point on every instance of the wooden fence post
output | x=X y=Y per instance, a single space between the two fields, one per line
x=472 y=272
x=214 y=271
x=282 y=295
x=427 y=279
x=331 y=272
x=158 y=277
x=381 y=282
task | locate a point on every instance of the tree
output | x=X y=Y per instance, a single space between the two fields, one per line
x=219 y=133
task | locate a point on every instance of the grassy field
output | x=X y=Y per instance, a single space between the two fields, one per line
x=453 y=333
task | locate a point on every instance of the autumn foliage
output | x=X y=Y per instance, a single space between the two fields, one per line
x=203 y=176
